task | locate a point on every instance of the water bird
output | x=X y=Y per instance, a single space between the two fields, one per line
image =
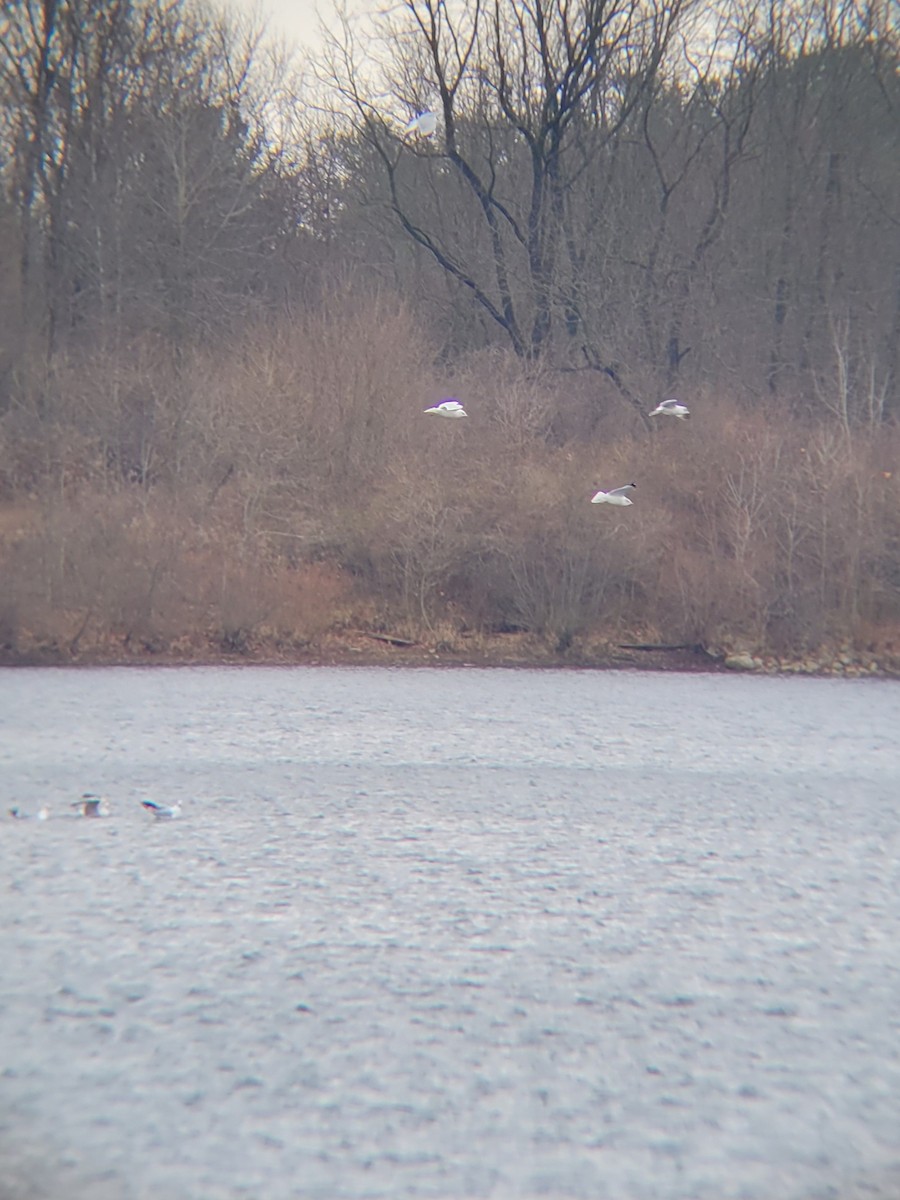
x=671 y=408
x=162 y=812
x=92 y=805
x=447 y=408
x=42 y=814
x=618 y=496
x=424 y=124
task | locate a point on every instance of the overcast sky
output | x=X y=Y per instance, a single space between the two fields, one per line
x=296 y=21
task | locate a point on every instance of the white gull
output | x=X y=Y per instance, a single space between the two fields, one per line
x=162 y=812
x=671 y=408
x=618 y=495
x=424 y=124
x=447 y=408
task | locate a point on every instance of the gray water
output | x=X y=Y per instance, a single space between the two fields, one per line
x=450 y=934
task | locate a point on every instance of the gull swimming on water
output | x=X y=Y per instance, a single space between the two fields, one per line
x=447 y=408
x=618 y=495
x=424 y=123
x=162 y=812
x=91 y=805
x=671 y=408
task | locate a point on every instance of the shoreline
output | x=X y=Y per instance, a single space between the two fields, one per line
x=503 y=652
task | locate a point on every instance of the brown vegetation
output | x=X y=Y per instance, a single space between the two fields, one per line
x=217 y=344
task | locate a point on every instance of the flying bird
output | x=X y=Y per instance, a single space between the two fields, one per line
x=618 y=496
x=162 y=812
x=671 y=408
x=424 y=124
x=447 y=408
x=91 y=805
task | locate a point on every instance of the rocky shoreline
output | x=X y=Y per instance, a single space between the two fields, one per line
x=847 y=664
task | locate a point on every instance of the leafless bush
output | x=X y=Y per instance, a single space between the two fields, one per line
x=513 y=404
x=101 y=562
x=292 y=464
x=308 y=410
x=250 y=602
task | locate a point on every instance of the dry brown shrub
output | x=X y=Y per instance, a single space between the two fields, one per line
x=311 y=410
x=407 y=543
x=546 y=560
x=293 y=608
x=38 y=457
x=304 y=444
x=780 y=530
x=99 y=563
x=511 y=404
x=137 y=568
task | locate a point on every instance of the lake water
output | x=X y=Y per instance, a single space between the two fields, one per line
x=450 y=933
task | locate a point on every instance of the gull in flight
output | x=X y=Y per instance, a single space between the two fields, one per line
x=424 y=124
x=162 y=812
x=447 y=408
x=42 y=814
x=618 y=495
x=91 y=805
x=671 y=408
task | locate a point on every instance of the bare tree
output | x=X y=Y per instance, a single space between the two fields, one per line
x=529 y=95
x=140 y=164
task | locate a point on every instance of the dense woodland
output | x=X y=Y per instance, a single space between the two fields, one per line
x=230 y=284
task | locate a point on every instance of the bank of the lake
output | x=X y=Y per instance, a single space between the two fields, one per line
x=361 y=647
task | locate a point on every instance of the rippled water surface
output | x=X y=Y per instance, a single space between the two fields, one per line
x=450 y=934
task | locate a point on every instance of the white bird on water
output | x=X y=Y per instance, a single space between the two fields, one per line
x=92 y=805
x=162 y=812
x=424 y=124
x=671 y=408
x=618 y=496
x=447 y=408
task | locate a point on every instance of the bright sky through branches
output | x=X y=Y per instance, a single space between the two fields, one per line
x=296 y=22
